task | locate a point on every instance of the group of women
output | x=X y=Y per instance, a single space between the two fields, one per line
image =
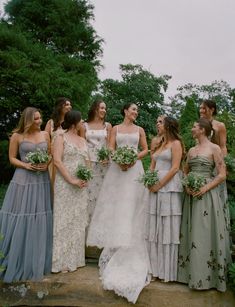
x=144 y=233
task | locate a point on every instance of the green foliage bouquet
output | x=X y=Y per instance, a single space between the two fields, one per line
x=84 y=173
x=37 y=157
x=194 y=181
x=149 y=178
x=124 y=155
x=103 y=154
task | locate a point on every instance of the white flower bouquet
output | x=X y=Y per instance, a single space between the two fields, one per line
x=194 y=181
x=84 y=173
x=149 y=178
x=124 y=155
x=38 y=156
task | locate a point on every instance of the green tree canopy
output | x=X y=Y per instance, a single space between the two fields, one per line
x=140 y=87
x=35 y=71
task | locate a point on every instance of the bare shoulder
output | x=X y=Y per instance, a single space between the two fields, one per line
x=176 y=144
x=141 y=130
x=215 y=147
x=218 y=124
x=16 y=137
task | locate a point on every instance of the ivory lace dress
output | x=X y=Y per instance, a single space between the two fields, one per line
x=70 y=214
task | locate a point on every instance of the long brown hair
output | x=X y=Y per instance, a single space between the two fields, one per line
x=94 y=107
x=26 y=120
x=56 y=115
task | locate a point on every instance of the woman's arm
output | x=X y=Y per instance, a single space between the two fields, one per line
x=143 y=144
x=109 y=129
x=48 y=127
x=112 y=140
x=176 y=150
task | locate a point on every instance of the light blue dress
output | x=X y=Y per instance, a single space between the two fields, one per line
x=26 y=223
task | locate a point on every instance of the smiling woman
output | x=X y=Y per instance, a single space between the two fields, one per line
x=26 y=216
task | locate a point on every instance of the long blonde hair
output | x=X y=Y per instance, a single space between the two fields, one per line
x=26 y=120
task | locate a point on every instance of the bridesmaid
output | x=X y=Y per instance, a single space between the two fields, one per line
x=204 y=250
x=97 y=133
x=26 y=216
x=70 y=197
x=54 y=126
x=165 y=208
x=156 y=140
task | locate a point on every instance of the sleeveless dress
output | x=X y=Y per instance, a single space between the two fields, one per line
x=118 y=224
x=163 y=221
x=96 y=139
x=26 y=222
x=204 y=250
x=70 y=214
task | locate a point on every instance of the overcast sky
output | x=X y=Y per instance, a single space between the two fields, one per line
x=191 y=40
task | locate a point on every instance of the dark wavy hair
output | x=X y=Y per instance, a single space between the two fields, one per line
x=71 y=118
x=94 y=107
x=171 y=126
x=210 y=104
x=126 y=107
x=56 y=115
x=206 y=124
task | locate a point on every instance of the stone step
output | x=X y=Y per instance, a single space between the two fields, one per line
x=83 y=288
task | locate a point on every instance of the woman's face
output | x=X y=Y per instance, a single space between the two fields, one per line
x=132 y=112
x=160 y=125
x=37 y=120
x=67 y=107
x=101 y=110
x=196 y=130
x=205 y=111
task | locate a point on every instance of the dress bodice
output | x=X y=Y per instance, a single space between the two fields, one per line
x=202 y=165
x=73 y=156
x=128 y=139
x=163 y=165
x=27 y=146
x=95 y=140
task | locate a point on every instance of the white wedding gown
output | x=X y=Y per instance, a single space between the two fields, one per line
x=117 y=226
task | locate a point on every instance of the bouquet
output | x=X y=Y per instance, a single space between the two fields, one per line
x=84 y=173
x=37 y=157
x=149 y=178
x=124 y=155
x=194 y=182
x=103 y=154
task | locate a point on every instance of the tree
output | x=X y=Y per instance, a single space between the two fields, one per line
x=140 y=87
x=47 y=49
x=220 y=91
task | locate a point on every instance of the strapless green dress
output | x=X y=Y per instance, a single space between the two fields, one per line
x=204 y=251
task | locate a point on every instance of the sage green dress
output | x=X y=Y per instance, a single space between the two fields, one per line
x=204 y=246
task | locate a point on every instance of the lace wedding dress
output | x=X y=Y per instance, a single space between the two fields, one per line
x=70 y=214
x=117 y=226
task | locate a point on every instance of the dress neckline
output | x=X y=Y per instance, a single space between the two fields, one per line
x=201 y=156
x=26 y=141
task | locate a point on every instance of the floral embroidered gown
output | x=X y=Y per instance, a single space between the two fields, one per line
x=204 y=250
x=70 y=214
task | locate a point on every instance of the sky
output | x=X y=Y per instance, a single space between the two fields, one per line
x=190 y=40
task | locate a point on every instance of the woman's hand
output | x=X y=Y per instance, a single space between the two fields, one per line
x=80 y=183
x=154 y=188
x=201 y=192
x=36 y=167
x=125 y=167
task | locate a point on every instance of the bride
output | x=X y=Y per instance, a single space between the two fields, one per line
x=117 y=224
